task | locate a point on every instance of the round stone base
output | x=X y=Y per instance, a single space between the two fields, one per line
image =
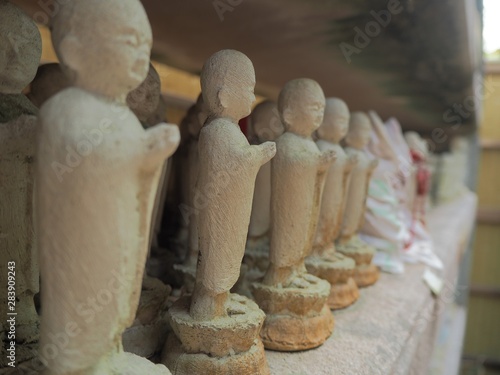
x=251 y=362
x=291 y=333
x=355 y=248
x=343 y=295
x=366 y=275
x=334 y=268
x=338 y=270
x=231 y=334
x=297 y=318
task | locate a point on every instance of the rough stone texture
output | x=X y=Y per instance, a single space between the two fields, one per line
x=324 y=261
x=194 y=121
x=391 y=329
x=251 y=362
x=224 y=345
x=348 y=243
x=293 y=297
x=339 y=273
x=365 y=273
x=343 y=295
x=227 y=171
x=296 y=318
x=234 y=333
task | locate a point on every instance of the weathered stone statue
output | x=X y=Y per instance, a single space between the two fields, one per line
x=265 y=125
x=349 y=243
x=20 y=51
x=298 y=317
x=195 y=121
x=97 y=174
x=143 y=101
x=216 y=332
x=324 y=261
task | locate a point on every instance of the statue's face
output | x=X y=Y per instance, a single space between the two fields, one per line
x=334 y=127
x=316 y=109
x=242 y=96
x=237 y=96
x=341 y=125
x=305 y=115
x=359 y=137
x=131 y=51
x=360 y=131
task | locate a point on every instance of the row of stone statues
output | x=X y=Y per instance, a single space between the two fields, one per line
x=83 y=180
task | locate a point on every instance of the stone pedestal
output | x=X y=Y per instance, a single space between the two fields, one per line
x=296 y=318
x=365 y=273
x=227 y=345
x=338 y=270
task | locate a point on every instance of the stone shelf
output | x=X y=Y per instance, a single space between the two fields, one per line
x=393 y=326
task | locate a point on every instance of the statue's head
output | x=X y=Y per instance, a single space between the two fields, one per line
x=335 y=121
x=360 y=131
x=49 y=80
x=104 y=46
x=227 y=84
x=301 y=105
x=143 y=100
x=20 y=49
x=266 y=124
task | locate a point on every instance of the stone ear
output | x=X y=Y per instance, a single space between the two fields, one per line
x=287 y=116
x=222 y=96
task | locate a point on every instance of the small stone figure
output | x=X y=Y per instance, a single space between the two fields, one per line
x=216 y=332
x=144 y=102
x=295 y=302
x=195 y=122
x=20 y=51
x=324 y=261
x=97 y=175
x=265 y=126
x=349 y=243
